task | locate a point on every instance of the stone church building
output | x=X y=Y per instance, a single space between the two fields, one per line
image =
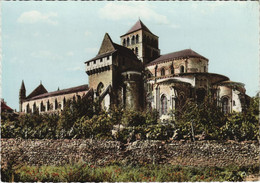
x=135 y=75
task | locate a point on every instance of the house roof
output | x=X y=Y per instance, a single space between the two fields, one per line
x=37 y=91
x=188 y=53
x=138 y=26
x=62 y=92
x=5 y=107
x=108 y=47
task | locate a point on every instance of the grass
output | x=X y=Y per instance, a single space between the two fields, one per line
x=85 y=172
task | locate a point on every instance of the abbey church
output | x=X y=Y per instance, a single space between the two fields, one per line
x=134 y=75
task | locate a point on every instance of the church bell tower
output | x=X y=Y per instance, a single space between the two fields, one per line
x=142 y=42
x=22 y=96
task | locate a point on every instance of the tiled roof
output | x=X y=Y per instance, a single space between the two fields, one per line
x=5 y=107
x=138 y=26
x=62 y=92
x=37 y=91
x=177 y=55
x=231 y=83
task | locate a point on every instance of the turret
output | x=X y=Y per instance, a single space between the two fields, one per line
x=22 y=96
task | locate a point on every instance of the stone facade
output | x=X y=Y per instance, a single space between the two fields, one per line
x=135 y=76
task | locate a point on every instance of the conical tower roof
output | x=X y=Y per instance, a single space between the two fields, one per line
x=22 y=86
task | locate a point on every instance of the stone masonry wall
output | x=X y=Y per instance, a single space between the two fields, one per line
x=61 y=152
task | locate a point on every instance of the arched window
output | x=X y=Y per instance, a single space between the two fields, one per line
x=48 y=105
x=27 y=108
x=124 y=43
x=225 y=106
x=162 y=72
x=163 y=105
x=137 y=39
x=136 y=51
x=56 y=104
x=100 y=88
x=133 y=40
x=172 y=70
x=42 y=107
x=182 y=69
x=127 y=42
x=133 y=50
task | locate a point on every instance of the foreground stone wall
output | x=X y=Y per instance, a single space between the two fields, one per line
x=60 y=152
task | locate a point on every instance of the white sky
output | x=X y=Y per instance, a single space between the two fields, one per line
x=49 y=41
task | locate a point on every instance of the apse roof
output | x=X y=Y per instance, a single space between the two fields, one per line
x=188 y=53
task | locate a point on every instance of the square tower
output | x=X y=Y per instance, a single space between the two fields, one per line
x=142 y=42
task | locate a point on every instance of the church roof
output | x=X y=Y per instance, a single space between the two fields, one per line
x=62 y=92
x=37 y=91
x=188 y=53
x=108 y=47
x=138 y=26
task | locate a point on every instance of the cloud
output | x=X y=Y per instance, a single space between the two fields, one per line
x=45 y=54
x=133 y=10
x=31 y=17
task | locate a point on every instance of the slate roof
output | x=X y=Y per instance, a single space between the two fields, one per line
x=22 y=86
x=138 y=26
x=188 y=53
x=62 y=92
x=113 y=47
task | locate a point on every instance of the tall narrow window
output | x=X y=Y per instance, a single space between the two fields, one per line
x=27 y=108
x=48 y=105
x=163 y=105
x=172 y=70
x=182 y=69
x=137 y=38
x=100 y=88
x=133 y=40
x=56 y=105
x=162 y=72
x=136 y=51
x=128 y=42
x=42 y=107
x=64 y=102
x=124 y=42
x=225 y=106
